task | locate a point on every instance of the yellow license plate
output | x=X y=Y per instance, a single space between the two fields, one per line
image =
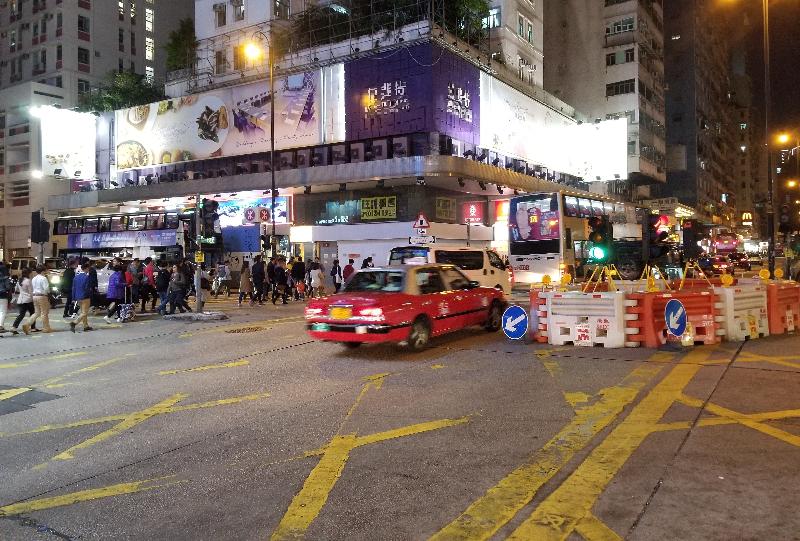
x=341 y=313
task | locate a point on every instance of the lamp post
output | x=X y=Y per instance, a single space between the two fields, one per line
x=253 y=52
x=770 y=179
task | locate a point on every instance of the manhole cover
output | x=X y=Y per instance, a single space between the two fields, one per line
x=243 y=330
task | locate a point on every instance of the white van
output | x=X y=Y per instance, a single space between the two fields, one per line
x=481 y=265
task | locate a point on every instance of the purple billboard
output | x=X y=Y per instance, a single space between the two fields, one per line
x=417 y=89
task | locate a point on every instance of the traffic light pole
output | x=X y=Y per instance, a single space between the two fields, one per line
x=197 y=270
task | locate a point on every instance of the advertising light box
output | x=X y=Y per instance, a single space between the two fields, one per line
x=68 y=141
x=233 y=121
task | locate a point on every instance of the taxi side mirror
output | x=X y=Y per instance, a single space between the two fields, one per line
x=472 y=284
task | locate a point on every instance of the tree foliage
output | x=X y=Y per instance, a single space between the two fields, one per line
x=324 y=24
x=181 y=46
x=119 y=91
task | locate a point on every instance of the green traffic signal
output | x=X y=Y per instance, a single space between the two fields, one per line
x=597 y=253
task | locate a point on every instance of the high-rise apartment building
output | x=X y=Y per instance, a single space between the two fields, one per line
x=703 y=128
x=605 y=58
x=51 y=51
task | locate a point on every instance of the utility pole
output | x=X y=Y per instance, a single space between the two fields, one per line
x=198 y=259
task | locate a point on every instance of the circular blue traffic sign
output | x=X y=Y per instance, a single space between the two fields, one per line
x=675 y=317
x=515 y=322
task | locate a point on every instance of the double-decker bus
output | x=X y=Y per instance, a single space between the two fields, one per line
x=548 y=232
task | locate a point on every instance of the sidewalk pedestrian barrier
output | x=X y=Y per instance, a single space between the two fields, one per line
x=537 y=328
x=783 y=306
x=695 y=284
x=742 y=312
x=586 y=319
x=644 y=317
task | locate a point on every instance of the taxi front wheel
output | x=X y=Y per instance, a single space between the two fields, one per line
x=352 y=345
x=495 y=319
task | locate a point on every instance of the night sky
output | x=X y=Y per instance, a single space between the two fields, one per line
x=785 y=43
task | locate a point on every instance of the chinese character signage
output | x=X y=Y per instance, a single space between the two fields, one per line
x=459 y=102
x=446 y=209
x=473 y=212
x=379 y=208
x=388 y=98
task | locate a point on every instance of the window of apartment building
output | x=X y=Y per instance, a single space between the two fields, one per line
x=614 y=2
x=83 y=56
x=619 y=57
x=520 y=25
x=83 y=24
x=133 y=66
x=12 y=39
x=59 y=20
x=281 y=9
x=526 y=69
x=133 y=42
x=529 y=35
x=149 y=48
x=43 y=26
x=149 y=18
x=149 y=73
x=120 y=65
x=83 y=86
x=630 y=55
x=220 y=14
x=239 y=58
x=631 y=148
x=238 y=10
x=36 y=30
x=493 y=20
x=133 y=12
x=621 y=87
x=121 y=10
x=121 y=39
x=220 y=62
x=622 y=25
x=58 y=53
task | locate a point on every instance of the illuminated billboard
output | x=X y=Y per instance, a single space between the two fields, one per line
x=524 y=128
x=233 y=121
x=68 y=142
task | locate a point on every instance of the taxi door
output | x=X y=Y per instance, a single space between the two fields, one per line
x=438 y=303
x=471 y=303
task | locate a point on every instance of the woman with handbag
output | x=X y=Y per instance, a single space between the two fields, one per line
x=245 y=283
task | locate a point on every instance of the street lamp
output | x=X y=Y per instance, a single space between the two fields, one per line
x=253 y=52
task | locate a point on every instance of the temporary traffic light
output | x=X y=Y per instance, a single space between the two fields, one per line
x=691 y=235
x=40 y=228
x=601 y=236
x=653 y=236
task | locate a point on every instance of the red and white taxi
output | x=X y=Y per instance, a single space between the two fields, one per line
x=407 y=304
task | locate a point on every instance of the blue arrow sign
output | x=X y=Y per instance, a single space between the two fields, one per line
x=675 y=317
x=515 y=322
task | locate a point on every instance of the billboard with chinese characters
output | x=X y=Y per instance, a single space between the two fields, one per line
x=379 y=208
x=473 y=212
x=68 y=142
x=231 y=121
x=415 y=89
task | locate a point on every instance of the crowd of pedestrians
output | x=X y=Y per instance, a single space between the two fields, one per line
x=161 y=287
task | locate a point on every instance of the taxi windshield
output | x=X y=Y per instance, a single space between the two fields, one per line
x=375 y=281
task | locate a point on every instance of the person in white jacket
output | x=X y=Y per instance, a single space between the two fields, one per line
x=24 y=293
x=40 y=286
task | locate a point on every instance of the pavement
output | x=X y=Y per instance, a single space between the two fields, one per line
x=247 y=429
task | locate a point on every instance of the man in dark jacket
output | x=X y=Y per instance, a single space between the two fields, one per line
x=280 y=282
x=65 y=287
x=271 y=274
x=259 y=275
x=95 y=299
x=162 y=277
x=298 y=275
x=82 y=293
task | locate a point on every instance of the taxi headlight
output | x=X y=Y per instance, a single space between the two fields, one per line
x=311 y=312
x=55 y=280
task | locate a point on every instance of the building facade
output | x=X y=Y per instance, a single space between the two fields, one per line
x=703 y=127
x=52 y=51
x=606 y=60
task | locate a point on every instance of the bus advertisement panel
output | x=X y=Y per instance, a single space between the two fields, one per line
x=536 y=236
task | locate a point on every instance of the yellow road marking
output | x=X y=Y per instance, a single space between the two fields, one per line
x=780 y=360
x=717 y=421
x=231 y=364
x=307 y=504
x=59 y=357
x=559 y=514
x=122 y=416
x=437 y=366
x=552 y=366
x=592 y=528
x=371 y=382
x=128 y=422
x=265 y=322
x=499 y=504
x=5 y=394
x=53 y=382
x=86 y=495
x=744 y=419
x=409 y=430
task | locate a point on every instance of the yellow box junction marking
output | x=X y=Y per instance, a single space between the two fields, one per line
x=231 y=364
x=5 y=394
x=126 y=421
x=55 y=382
x=87 y=495
x=309 y=502
x=781 y=360
x=571 y=503
x=59 y=357
x=502 y=502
